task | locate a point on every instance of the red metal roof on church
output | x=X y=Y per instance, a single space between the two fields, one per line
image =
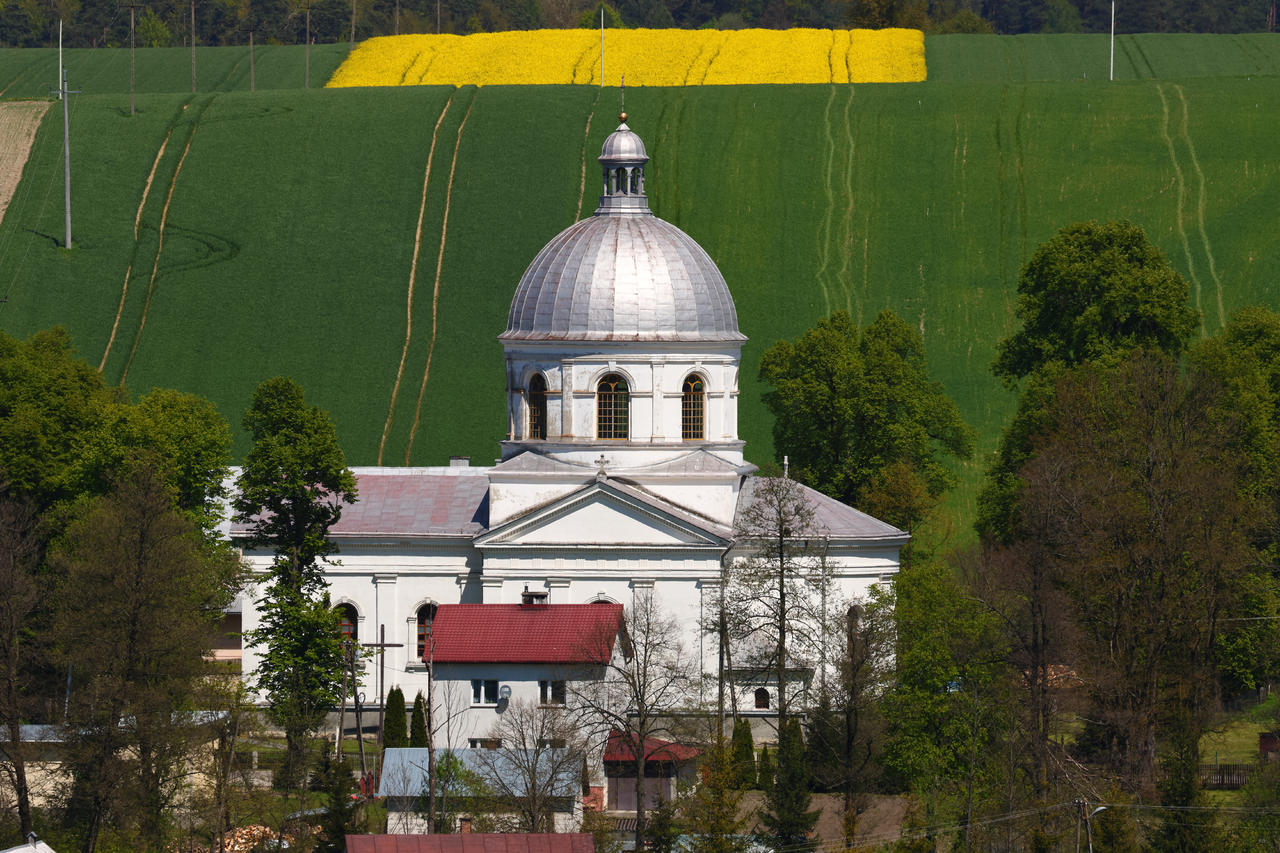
x=472 y=843
x=525 y=633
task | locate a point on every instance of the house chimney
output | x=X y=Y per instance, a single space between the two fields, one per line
x=528 y=597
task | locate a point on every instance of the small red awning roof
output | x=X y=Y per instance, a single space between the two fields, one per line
x=525 y=633
x=622 y=747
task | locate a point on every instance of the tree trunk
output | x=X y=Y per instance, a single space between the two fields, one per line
x=18 y=775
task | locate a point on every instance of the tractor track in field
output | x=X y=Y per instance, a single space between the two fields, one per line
x=1181 y=184
x=846 y=223
x=413 y=277
x=824 y=245
x=435 y=291
x=1185 y=130
x=160 y=230
x=586 y=135
x=128 y=273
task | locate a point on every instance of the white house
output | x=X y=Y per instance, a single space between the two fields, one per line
x=622 y=472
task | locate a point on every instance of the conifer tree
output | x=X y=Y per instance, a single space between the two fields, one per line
x=394 y=731
x=743 y=756
x=786 y=815
x=764 y=776
x=418 y=727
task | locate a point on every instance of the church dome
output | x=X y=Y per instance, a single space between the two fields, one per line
x=624 y=274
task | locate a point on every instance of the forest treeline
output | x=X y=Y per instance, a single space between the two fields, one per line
x=169 y=23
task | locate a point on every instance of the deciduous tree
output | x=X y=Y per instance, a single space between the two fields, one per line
x=140 y=603
x=292 y=489
x=859 y=418
x=644 y=681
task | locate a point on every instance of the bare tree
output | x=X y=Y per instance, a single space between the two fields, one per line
x=537 y=766
x=780 y=607
x=20 y=546
x=644 y=681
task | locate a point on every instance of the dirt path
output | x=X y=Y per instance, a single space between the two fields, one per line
x=19 y=121
x=413 y=278
x=435 y=292
x=128 y=273
x=155 y=266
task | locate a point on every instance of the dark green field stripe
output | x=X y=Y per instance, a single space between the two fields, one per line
x=437 y=279
x=149 y=252
x=417 y=263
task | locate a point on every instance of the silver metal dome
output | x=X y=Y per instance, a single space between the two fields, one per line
x=623 y=146
x=624 y=274
x=622 y=277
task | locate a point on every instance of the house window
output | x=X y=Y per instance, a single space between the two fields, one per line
x=551 y=692
x=346 y=622
x=538 y=407
x=426 y=615
x=762 y=698
x=484 y=743
x=693 y=407
x=484 y=692
x=612 y=408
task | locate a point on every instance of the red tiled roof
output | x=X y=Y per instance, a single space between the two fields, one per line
x=622 y=747
x=578 y=842
x=525 y=633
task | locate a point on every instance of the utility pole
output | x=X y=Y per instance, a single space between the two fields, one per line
x=431 y=735
x=351 y=41
x=306 y=54
x=342 y=707
x=251 y=70
x=65 y=94
x=133 y=7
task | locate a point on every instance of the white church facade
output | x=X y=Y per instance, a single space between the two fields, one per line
x=622 y=474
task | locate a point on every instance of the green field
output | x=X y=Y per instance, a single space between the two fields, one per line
x=290 y=229
x=31 y=73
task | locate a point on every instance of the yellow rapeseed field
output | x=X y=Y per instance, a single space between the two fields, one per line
x=646 y=57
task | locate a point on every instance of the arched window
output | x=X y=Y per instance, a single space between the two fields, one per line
x=693 y=407
x=426 y=615
x=347 y=620
x=762 y=698
x=538 y=407
x=612 y=406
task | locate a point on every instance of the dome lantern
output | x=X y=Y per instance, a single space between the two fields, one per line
x=622 y=159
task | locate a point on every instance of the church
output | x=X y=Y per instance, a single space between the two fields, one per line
x=622 y=473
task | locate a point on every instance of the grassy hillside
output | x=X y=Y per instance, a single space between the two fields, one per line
x=32 y=73
x=289 y=233
x=1018 y=59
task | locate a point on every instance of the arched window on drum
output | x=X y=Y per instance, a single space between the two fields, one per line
x=693 y=409
x=538 y=407
x=613 y=402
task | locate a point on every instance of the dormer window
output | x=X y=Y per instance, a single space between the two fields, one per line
x=538 y=407
x=693 y=407
x=613 y=402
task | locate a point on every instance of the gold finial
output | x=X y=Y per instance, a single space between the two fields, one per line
x=622 y=117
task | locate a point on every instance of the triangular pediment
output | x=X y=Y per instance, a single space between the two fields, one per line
x=603 y=514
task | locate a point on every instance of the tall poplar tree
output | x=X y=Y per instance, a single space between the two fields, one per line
x=292 y=489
